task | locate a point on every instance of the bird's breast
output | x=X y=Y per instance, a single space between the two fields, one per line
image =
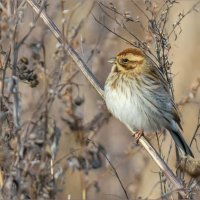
x=125 y=101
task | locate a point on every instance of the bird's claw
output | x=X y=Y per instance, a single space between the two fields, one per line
x=138 y=135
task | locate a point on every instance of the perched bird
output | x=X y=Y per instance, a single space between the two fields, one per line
x=139 y=96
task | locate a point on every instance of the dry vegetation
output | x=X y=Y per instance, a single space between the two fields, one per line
x=57 y=139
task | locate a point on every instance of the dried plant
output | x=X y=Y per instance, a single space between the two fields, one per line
x=42 y=102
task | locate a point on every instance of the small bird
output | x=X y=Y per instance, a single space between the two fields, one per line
x=137 y=93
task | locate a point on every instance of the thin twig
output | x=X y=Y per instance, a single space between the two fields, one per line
x=4 y=75
x=139 y=43
x=197 y=128
x=182 y=17
x=113 y=168
x=163 y=166
x=140 y=9
x=32 y=27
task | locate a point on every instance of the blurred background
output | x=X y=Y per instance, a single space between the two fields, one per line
x=64 y=96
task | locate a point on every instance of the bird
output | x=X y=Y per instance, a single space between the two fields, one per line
x=137 y=93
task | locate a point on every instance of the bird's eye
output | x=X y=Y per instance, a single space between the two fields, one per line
x=124 y=60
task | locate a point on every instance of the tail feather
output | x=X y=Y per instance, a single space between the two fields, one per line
x=182 y=146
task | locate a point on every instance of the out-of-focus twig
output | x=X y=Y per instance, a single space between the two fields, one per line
x=196 y=130
x=90 y=76
x=3 y=76
x=113 y=168
x=191 y=94
x=77 y=59
x=97 y=121
x=137 y=43
x=182 y=16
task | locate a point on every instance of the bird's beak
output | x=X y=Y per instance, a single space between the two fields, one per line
x=112 y=60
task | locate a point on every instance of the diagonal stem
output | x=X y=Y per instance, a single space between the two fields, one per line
x=77 y=59
x=99 y=88
x=163 y=166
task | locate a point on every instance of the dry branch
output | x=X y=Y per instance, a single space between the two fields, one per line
x=95 y=83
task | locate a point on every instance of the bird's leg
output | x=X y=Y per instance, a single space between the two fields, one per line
x=138 y=134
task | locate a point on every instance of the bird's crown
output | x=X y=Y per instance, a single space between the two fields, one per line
x=133 y=51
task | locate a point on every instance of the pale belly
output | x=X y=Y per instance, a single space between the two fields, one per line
x=133 y=112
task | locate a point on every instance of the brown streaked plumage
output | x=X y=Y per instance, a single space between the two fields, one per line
x=138 y=95
x=132 y=51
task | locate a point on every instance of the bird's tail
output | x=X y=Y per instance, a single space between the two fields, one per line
x=182 y=146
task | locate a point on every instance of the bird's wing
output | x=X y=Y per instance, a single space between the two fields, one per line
x=159 y=93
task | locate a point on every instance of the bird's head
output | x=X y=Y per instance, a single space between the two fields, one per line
x=131 y=59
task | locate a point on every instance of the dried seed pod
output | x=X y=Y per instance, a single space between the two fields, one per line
x=30 y=77
x=190 y=165
x=22 y=77
x=23 y=68
x=24 y=60
x=78 y=101
x=34 y=83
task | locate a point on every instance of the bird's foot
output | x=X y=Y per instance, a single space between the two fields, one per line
x=138 y=135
